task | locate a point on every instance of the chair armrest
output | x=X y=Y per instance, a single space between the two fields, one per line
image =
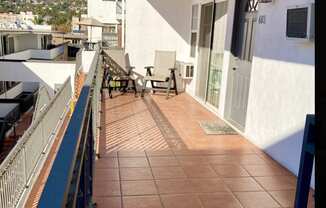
x=130 y=68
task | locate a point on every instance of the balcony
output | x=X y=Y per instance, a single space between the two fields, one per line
x=151 y=152
x=39 y=54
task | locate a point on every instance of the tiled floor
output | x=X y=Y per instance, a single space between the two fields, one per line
x=155 y=155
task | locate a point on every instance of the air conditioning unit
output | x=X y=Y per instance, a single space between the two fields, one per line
x=186 y=70
x=300 y=23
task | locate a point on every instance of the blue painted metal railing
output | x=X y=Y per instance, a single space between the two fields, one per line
x=306 y=163
x=70 y=181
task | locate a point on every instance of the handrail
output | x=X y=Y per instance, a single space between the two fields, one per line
x=22 y=164
x=43 y=99
x=70 y=181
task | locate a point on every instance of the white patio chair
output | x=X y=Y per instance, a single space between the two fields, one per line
x=120 y=70
x=163 y=72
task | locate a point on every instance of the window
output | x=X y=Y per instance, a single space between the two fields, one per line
x=194 y=29
x=109 y=29
x=194 y=19
x=300 y=22
x=193 y=44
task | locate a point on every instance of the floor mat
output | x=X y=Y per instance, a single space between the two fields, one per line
x=216 y=128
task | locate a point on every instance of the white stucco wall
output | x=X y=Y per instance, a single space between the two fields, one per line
x=23 y=86
x=49 y=74
x=13 y=92
x=22 y=55
x=282 y=87
x=87 y=59
x=157 y=25
x=36 y=54
x=27 y=41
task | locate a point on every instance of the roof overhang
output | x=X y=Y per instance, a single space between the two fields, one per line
x=91 y=22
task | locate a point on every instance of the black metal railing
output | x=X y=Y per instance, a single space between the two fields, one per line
x=70 y=181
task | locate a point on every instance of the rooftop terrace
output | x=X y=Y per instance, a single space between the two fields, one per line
x=153 y=153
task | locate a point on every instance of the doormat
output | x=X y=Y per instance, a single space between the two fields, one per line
x=216 y=128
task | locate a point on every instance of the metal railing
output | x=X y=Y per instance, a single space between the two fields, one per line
x=42 y=100
x=70 y=181
x=110 y=39
x=24 y=162
x=79 y=60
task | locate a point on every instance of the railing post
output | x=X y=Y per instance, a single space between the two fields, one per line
x=25 y=166
x=306 y=163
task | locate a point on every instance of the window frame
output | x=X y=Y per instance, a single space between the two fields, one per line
x=194 y=30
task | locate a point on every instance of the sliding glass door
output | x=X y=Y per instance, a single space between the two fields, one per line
x=211 y=52
x=217 y=54
x=205 y=38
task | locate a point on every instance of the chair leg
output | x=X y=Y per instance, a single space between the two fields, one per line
x=175 y=83
x=168 y=89
x=144 y=87
x=152 y=83
x=134 y=84
x=110 y=91
x=124 y=86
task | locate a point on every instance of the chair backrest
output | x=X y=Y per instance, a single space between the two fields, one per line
x=127 y=60
x=164 y=60
x=119 y=57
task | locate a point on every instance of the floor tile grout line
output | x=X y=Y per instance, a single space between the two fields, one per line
x=118 y=161
x=120 y=181
x=267 y=192
x=156 y=186
x=250 y=176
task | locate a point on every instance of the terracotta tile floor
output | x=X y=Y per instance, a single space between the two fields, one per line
x=154 y=154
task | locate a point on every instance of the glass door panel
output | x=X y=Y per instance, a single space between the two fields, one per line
x=217 y=54
x=204 y=49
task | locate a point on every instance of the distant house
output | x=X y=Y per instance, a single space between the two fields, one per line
x=20 y=40
x=108 y=13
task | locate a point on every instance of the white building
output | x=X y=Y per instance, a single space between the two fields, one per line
x=260 y=81
x=13 y=41
x=21 y=21
x=110 y=14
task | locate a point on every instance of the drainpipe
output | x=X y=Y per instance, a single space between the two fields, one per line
x=1 y=53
